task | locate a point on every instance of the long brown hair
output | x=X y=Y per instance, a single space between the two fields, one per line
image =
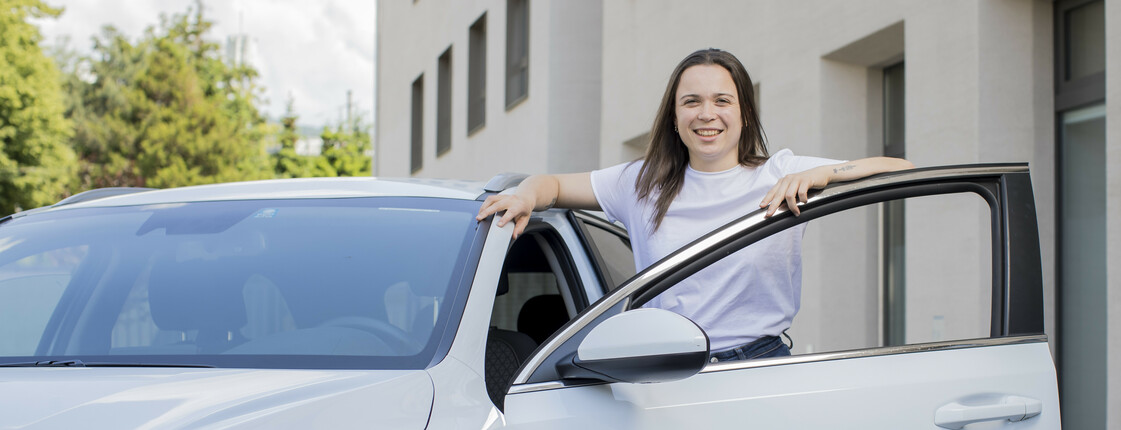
x=663 y=171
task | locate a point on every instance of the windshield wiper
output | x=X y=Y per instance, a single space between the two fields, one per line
x=46 y=363
x=80 y=363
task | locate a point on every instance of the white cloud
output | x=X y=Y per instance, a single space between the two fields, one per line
x=315 y=51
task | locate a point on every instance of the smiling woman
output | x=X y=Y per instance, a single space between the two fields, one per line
x=707 y=163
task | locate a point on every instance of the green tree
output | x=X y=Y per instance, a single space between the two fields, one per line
x=166 y=111
x=347 y=148
x=36 y=165
x=287 y=162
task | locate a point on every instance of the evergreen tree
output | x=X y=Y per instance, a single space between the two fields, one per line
x=347 y=148
x=287 y=162
x=36 y=165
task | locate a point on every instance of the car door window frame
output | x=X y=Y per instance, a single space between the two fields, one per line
x=1017 y=289
x=583 y=222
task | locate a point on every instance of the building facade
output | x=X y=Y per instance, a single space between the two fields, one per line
x=469 y=89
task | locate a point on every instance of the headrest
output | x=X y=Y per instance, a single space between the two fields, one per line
x=524 y=256
x=542 y=315
x=198 y=294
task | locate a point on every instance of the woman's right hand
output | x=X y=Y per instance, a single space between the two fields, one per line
x=540 y=192
x=518 y=209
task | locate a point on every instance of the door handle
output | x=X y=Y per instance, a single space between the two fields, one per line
x=958 y=414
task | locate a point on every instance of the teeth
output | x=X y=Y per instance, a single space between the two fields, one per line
x=708 y=133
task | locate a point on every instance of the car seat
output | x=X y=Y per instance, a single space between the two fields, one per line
x=200 y=295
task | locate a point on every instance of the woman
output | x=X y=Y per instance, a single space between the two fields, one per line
x=707 y=164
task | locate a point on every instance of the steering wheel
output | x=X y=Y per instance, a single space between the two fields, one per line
x=397 y=339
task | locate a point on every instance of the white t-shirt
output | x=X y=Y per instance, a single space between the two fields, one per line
x=752 y=293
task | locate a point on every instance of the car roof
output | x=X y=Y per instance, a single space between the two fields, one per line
x=304 y=188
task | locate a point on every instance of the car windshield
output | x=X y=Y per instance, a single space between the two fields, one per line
x=301 y=283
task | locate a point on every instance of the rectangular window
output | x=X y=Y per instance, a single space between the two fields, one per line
x=1082 y=288
x=1082 y=264
x=894 y=232
x=517 y=51
x=1085 y=40
x=444 y=103
x=476 y=75
x=417 y=157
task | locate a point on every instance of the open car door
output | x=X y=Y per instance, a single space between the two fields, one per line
x=611 y=369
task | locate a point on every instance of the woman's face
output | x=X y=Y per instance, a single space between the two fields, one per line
x=708 y=117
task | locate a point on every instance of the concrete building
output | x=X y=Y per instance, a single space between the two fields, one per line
x=939 y=82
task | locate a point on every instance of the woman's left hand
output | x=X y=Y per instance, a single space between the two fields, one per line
x=793 y=189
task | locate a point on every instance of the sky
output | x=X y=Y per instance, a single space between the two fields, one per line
x=313 y=50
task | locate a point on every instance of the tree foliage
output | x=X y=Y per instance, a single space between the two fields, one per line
x=36 y=165
x=347 y=147
x=344 y=151
x=166 y=111
x=287 y=162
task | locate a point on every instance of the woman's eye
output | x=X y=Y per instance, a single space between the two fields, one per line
x=723 y=101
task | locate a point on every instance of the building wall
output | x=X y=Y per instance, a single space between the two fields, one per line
x=543 y=133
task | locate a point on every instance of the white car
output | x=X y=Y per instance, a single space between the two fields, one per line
x=374 y=303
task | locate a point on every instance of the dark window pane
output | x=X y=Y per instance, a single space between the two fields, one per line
x=894 y=111
x=1082 y=267
x=476 y=75
x=617 y=259
x=417 y=153
x=1085 y=28
x=894 y=244
x=444 y=103
x=517 y=50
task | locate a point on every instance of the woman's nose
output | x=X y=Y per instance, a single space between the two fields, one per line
x=706 y=113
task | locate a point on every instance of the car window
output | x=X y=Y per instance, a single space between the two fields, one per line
x=611 y=252
x=30 y=289
x=312 y=283
x=907 y=271
x=537 y=293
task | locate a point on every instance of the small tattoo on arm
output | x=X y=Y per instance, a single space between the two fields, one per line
x=843 y=168
x=550 y=205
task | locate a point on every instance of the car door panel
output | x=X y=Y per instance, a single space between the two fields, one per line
x=893 y=391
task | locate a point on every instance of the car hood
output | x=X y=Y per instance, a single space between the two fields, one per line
x=175 y=398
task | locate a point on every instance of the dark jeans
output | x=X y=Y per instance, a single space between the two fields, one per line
x=764 y=347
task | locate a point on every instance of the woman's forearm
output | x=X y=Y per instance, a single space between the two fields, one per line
x=864 y=167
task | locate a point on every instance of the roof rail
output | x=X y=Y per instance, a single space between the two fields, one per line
x=503 y=181
x=99 y=193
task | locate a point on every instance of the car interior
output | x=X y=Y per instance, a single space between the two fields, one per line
x=537 y=294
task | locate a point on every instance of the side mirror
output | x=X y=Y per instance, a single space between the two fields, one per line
x=642 y=346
